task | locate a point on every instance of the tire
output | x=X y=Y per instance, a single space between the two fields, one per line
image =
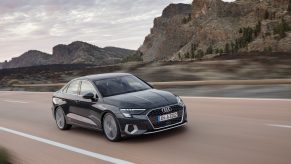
x=61 y=120
x=111 y=127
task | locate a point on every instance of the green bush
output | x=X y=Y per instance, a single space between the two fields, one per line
x=289 y=6
x=209 y=50
x=226 y=48
x=281 y=29
x=200 y=54
x=4 y=156
x=187 y=55
x=133 y=57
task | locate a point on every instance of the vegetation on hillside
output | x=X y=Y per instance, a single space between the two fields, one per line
x=133 y=57
x=4 y=156
x=281 y=29
x=289 y=6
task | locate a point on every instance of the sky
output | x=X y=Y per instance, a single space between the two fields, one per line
x=41 y=24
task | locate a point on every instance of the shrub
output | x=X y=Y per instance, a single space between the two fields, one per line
x=133 y=57
x=4 y=156
x=187 y=55
x=209 y=50
x=200 y=54
x=179 y=55
x=266 y=16
x=281 y=29
x=226 y=48
x=289 y=6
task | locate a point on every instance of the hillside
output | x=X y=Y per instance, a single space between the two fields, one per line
x=75 y=53
x=224 y=67
x=214 y=27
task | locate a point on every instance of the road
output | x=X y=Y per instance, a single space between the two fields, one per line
x=220 y=130
x=250 y=91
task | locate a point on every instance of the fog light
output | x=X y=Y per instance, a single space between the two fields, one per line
x=130 y=128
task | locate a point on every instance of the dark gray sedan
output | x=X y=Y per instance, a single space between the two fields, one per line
x=119 y=104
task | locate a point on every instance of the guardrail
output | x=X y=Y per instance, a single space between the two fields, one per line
x=188 y=83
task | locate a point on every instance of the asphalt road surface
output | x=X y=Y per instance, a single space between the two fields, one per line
x=250 y=91
x=220 y=130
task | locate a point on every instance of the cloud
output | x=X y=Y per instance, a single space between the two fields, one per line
x=41 y=24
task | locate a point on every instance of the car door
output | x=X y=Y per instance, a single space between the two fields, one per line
x=71 y=97
x=86 y=108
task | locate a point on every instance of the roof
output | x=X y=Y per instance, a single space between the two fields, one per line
x=102 y=76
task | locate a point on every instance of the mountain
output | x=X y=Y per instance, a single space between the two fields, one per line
x=29 y=58
x=75 y=53
x=213 y=27
x=81 y=52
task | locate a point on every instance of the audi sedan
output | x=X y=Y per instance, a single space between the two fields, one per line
x=119 y=104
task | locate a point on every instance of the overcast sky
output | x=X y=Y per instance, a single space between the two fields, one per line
x=42 y=24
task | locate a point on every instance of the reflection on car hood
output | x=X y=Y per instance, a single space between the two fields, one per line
x=146 y=99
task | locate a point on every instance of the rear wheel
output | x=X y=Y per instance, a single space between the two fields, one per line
x=61 y=120
x=111 y=128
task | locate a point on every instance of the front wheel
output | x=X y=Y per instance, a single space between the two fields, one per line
x=61 y=120
x=111 y=128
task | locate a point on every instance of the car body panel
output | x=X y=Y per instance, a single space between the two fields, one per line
x=147 y=99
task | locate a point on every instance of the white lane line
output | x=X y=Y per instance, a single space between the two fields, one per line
x=280 y=126
x=68 y=147
x=15 y=101
x=234 y=98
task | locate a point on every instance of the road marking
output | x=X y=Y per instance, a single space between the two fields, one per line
x=15 y=101
x=234 y=98
x=68 y=147
x=280 y=126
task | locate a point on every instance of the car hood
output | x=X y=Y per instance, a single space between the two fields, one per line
x=146 y=99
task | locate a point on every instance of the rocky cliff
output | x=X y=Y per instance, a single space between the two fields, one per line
x=75 y=53
x=212 y=26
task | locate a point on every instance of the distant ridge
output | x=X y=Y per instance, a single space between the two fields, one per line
x=77 y=52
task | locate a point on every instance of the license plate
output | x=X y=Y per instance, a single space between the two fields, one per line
x=166 y=117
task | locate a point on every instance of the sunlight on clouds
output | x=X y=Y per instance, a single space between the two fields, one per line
x=57 y=30
x=23 y=29
x=140 y=17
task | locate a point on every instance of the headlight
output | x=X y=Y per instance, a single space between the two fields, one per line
x=180 y=101
x=129 y=112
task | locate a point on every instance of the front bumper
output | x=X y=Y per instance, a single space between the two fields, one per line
x=141 y=124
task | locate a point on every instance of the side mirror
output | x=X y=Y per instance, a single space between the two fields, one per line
x=90 y=96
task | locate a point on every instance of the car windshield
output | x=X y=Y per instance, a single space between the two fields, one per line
x=120 y=85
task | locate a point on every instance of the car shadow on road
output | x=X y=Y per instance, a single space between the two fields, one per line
x=172 y=133
x=86 y=131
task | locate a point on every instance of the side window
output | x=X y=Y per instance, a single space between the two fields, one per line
x=64 y=90
x=73 y=87
x=87 y=87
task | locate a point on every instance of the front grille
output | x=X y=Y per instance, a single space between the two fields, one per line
x=153 y=116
